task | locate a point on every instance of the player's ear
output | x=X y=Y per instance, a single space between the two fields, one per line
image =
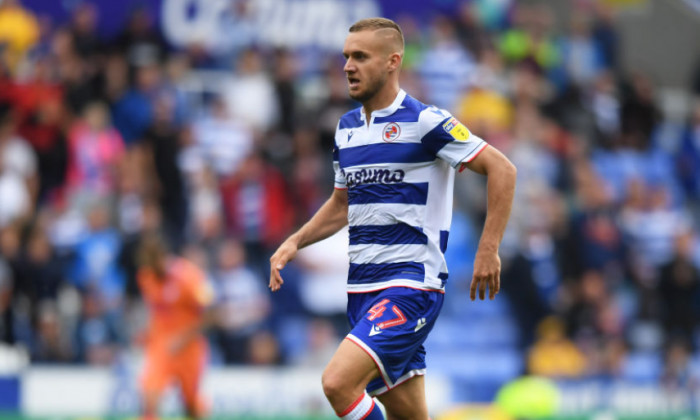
x=395 y=59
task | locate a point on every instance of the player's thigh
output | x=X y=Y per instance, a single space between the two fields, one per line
x=156 y=375
x=189 y=375
x=349 y=369
x=406 y=401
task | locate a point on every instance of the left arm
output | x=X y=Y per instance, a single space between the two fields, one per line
x=208 y=319
x=201 y=295
x=501 y=174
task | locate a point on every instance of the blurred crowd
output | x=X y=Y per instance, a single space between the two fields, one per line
x=226 y=152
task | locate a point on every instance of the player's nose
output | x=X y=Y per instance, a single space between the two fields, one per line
x=349 y=67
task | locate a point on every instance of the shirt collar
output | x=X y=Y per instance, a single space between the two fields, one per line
x=385 y=112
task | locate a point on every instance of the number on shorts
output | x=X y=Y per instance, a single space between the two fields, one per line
x=378 y=310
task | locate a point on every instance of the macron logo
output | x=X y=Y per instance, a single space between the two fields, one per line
x=350 y=134
x=375 y=330
x=420 y=324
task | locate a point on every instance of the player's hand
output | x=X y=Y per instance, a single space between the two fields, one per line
x=487 y=272
x=285 y=253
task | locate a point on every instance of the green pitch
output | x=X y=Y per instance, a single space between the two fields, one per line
x=577 y=417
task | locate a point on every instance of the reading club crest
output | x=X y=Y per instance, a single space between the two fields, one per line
x=391 y=132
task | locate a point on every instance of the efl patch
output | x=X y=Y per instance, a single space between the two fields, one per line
x=391 y=132
x=456 y=129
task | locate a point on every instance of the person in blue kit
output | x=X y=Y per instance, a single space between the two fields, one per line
x=395 y=160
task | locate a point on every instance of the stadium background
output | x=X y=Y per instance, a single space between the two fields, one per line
x=213 y=120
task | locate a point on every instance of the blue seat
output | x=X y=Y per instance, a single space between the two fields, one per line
x=495 y=365
x=496 y=331
x=642 y=366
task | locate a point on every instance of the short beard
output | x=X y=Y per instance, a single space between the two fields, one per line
x=374 y=86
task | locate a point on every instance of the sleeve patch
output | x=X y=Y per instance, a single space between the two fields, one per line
x=456 y=129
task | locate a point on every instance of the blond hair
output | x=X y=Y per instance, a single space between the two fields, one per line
x=379 y=23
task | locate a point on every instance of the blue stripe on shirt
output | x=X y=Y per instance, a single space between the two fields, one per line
x=352 y=119
x=444 y=235
x=370 y=273
x=437 y=138
x=399 y=193
x=401 y=115
x=385 y=153
x=396 y=234
x=409 y=112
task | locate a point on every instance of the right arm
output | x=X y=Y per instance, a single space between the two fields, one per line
x=329 y=219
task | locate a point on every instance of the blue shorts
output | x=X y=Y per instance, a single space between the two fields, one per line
x=391 y=325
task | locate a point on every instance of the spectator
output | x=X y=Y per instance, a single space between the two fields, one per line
x=284 y=75
x=149 y=222
x=595 y=239
x=250 y=95
x=96 y=338
x=688 y=159
x=16 y=154
x=223 y=140
x=132 y=113
x=19 y=30
x=43 y=129
x=323 y=340
x=95 y=153
x=308 y=168
x=239 y=19
x=529 y=40
x=207 y=223
x=581 y=55
x=39 y=272
x=84 y=29
x=322 y=289
x=51 y=345
x=553 y=354
x=15 y=196
x=651 y=227
x=604 y=105
x=97 y=274
x=332 y=107
x=487 y=112
x=175 y=91
x=6 y=286
x=257 y=207
x=264 y=350
x=639 y=113
x=163 y=149
x=445 y=66
x=678 y=374
x=140 y=43
x=679 y=291
x=606 y=35
x=243 y=307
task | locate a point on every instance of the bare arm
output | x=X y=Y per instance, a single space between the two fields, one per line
x=500 y=188
x=209 y=318
x=329 y=219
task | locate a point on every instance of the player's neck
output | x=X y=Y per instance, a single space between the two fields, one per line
x=382 y=99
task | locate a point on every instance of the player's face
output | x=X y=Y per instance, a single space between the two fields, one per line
x=366 y=64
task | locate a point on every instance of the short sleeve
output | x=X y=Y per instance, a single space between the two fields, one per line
x=448 y=138
x=201 y=288
x=340 y=182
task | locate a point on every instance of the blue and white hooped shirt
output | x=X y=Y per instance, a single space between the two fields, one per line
x=398 y=171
